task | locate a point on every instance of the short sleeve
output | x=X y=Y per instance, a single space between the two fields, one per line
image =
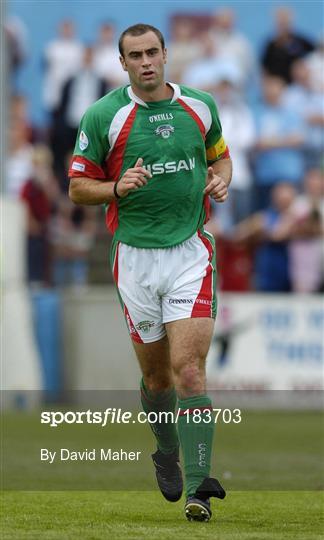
x=91 y=147
x=216 y=147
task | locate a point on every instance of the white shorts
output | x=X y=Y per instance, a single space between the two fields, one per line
x=161 y=285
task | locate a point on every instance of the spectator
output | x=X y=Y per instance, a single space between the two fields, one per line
x=63 y=58
x=269 y=231
x=239 y=132
x=210 y=67
x=16 y=37
x=106 y=62
x=37 y=193
x=78 y=93
x=71 y=235
x=231 y=44
x=315 y=62
x=303 y=100
x=234 y=261
x=19 y=114
x=280 y=139
x=18 y=109
x=184 y=49
x=306 y=248
x=285 y=47
x=19 y=159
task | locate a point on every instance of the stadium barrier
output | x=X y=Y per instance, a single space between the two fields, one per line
x=20 y=360
x=261 y=342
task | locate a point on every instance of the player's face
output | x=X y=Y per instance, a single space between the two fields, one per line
x=144 y=61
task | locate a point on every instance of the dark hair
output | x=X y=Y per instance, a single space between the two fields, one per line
x=139 y=30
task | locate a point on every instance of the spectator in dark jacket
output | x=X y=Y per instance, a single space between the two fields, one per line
x=285 y=47
x=78 y=93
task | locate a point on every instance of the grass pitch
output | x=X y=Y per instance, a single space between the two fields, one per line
x=279 y=452
x=268 y=451
x=145 y=515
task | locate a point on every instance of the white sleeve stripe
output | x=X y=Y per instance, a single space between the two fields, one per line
x=117 y=124
x=201 y=109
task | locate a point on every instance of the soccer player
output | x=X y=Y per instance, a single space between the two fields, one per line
x=153 y=154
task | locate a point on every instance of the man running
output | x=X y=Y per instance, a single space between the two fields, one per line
x=153 y=154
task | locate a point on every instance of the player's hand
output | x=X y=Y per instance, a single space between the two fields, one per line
x=133 y=178
x=216 y=187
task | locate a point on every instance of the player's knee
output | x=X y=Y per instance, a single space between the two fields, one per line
x=189 y=378
x=157 y=383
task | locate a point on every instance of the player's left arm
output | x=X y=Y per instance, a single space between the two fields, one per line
x=219 y=173
x=219 y=176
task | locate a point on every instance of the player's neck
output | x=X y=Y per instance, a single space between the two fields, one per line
x=165 y=91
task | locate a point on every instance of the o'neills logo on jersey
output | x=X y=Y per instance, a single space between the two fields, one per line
x=164 y=130
x=171 y=166
x=160 y=117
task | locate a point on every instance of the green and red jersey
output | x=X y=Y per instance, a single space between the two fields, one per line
x=177 y=140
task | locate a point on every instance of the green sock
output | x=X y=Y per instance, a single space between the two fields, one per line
x=196 y=439
x=165 y=431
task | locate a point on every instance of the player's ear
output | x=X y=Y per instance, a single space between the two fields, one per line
x=123 y=63
x=165 y=55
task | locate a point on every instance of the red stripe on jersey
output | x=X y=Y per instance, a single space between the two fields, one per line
x=183 y=412
x=112 y=217
x=207 y=208
x=90 y=169
x=114 y=167
x=115 y=160
x=203 y=304
x=132 y=330
x=115 y=265
x=195 y=116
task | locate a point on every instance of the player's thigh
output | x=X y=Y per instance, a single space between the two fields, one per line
x=134 y=272
x=191 y=291
x=154 y=361
x=189 y=340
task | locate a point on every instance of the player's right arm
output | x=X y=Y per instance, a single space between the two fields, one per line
x=85 y=190
x=89 y=183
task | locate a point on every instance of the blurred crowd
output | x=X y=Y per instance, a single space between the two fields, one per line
x=269 y=233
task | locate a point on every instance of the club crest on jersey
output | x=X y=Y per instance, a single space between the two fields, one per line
x=165 y=131
x=83 y=141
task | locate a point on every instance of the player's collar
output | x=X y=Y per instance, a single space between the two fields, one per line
x=176 y=91
x=136 y=99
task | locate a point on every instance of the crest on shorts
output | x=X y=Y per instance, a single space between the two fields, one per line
x=165 y=130
x=83 y=141
x=145 y=326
